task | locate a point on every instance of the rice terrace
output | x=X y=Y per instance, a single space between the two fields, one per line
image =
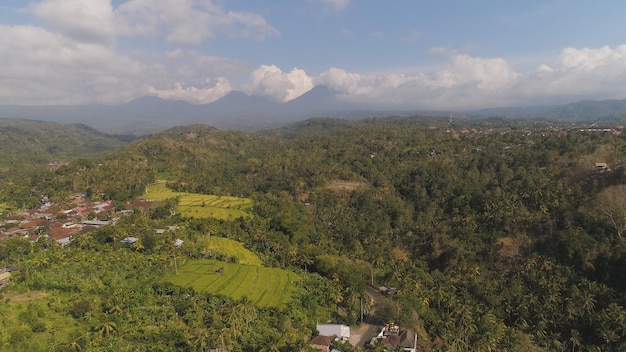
x=232 y=248
x=201 y=205
x=266 y=287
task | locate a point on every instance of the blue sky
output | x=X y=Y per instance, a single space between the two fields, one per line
x=403 y=53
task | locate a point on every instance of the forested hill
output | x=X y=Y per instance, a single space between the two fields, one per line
x=586 y=110
x=499 y=235
x=31 y=143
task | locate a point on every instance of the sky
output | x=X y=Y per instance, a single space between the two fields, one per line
x=443 y=54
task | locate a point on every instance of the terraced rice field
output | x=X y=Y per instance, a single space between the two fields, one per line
x=202 y=205
x=266 y=287
x=232 y=248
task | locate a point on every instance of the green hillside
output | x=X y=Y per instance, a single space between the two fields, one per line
x=497 y=235
x=36 y=142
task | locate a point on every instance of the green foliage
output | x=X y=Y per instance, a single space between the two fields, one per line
x=499 y=235
x=80 y=308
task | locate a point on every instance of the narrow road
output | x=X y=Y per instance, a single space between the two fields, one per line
x=371 y=323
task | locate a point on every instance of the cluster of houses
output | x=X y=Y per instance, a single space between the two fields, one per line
x=561 y=131
x=58 y=221
x=391 y=337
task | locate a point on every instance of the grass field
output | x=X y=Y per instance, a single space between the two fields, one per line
x=202 y=205
x=266 y=287
x=232 y=248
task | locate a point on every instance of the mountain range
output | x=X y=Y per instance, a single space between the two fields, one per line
x=240 y=111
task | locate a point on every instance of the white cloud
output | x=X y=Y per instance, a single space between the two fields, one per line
x=282 y=86
x=587 y=59
x=467 y=81
x=85 y=21
x=339 y=80
x=192 y=65
x=463 y=81
x=42 y=67
x=191 y=76
x=188 y=21
x=486 y=74
x=209 y=91
x=582 y=74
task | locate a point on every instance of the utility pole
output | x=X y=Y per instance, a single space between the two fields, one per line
x=361 y=309
x=175 y=265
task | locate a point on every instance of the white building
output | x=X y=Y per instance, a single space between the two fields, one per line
x=341 y=331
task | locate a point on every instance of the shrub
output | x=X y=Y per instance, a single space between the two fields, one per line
x=80 y=308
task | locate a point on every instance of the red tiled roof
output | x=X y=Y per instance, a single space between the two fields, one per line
x=322 y=340
x=61 y=232
x=32 y=223
x=18 y=216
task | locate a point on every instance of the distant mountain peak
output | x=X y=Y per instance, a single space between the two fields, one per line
x=146 y=99
x=316 y=94
x=238 y=97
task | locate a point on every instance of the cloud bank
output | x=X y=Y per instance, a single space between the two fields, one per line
x=187 y=21
x=70 y=54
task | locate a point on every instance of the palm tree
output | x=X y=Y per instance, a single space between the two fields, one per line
x=41 y=262
x=75 y=345
x=200 y=339
x=575 y=339
x=107 y=328
x=84 y=241
x=116 y=309
x=138 y=246
x=588 y=301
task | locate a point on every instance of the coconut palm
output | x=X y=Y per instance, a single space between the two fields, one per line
x=107 y=328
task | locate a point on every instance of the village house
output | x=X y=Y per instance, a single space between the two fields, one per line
x=340 y=331
x=393 y=338
x=327 y=334
x=322 y=343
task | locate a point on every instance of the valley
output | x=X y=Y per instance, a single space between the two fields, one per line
x=487 y=234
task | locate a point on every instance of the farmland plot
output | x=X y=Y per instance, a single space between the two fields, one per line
x=202 y=205
x=266 y=287
x=232 y=248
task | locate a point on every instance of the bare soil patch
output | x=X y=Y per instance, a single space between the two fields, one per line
x=24 y=297
x=340 y=185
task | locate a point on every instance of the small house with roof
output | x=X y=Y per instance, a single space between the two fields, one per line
x=322 y=343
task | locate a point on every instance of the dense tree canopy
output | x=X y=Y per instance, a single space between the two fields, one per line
x=499 y=235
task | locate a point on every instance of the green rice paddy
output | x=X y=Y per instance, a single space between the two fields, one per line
x=232 y=248
x=202 y=205
x=266 y=287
